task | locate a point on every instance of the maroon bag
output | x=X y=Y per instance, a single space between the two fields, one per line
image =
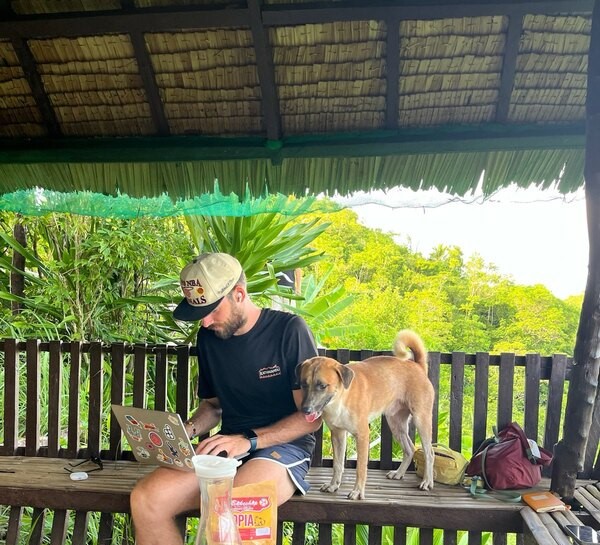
x=507 y=462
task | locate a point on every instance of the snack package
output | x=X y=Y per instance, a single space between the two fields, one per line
x=254 y=508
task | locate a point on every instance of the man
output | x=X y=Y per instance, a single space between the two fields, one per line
x=247 y=358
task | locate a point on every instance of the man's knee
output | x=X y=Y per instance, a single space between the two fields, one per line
x=138 y=499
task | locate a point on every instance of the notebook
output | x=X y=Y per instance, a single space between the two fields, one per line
x=543 y=501
x=156 y=437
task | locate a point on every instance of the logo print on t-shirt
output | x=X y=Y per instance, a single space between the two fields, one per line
x=269 y=372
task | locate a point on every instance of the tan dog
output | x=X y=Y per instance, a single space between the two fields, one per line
x=350 y=396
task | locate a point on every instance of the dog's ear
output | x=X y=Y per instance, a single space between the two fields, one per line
x=346 y=374
x=299 y=370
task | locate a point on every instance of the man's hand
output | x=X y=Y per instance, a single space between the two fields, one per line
x=234 y=445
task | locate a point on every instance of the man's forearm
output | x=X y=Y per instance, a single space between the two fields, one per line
x=204 y=419
x=289 y=428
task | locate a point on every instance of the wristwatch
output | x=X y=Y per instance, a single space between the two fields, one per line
x=252 y=437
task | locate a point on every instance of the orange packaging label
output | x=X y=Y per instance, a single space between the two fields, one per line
x=254 y=508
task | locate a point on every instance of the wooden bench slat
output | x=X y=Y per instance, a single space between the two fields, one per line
x=399 y=534
x=55 y=384
x=325 y=534
x=74 y=413
x=589 y=497
x=299 y=533
x=36 y=533
x=14 y=523
x=43 y=482
x=426 y=536
x=539 y=532
x=349 y=534
x=32 y=410
x=80 y=527
x=105 y=529
x=60 y=522
x=450 y=537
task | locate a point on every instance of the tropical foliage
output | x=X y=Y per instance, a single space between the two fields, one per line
x=455 y=303
x=89 y=279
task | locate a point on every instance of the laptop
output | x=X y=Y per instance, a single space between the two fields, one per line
x=156 y=437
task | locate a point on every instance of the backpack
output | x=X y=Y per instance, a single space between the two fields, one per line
x=448 y=465
x=509 y=461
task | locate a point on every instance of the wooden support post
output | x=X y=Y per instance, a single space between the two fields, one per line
x=583 y=390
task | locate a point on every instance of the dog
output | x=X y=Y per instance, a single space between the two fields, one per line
x=350 y=396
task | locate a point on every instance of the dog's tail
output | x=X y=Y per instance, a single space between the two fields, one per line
x=408 y=339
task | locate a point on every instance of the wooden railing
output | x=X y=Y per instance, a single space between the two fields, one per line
x=56 y=396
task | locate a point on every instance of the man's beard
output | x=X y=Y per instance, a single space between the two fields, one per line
x=228 y=328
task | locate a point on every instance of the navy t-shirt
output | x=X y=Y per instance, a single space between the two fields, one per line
x=253 y=375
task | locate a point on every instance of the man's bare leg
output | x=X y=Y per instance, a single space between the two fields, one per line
x=159 y=497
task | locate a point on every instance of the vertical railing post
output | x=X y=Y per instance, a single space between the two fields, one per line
x=73 y=435
x=94 y=431
x=55 y=382
x=117 y=395
x=11 y=397
x=32 y=410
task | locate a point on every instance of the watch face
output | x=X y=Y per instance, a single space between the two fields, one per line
x=250 y=434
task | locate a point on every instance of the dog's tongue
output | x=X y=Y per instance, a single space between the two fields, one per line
x=312 y=417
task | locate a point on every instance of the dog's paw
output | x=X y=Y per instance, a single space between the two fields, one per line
x=394 y=475
x=356 y=495
x=331 y=488
x=426 y=484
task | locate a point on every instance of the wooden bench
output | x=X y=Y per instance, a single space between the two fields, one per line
x=36 y=489
x=548 y=528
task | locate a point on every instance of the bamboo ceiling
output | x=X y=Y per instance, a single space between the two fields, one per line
x=145 y=97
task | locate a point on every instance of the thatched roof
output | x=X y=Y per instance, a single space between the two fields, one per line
x=153 y=96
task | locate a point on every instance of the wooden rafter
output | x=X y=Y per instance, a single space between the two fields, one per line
x=266 y=72
x=194 y=148
x=507 y=78
x=165 y=20
x=150 y=87
x=5 y=8
x=121 y=23
x=432 y=10
x=37 y=87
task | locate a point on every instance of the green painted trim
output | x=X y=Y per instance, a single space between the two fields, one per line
x=449 y=139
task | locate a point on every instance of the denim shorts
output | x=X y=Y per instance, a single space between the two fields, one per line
x=292 y=457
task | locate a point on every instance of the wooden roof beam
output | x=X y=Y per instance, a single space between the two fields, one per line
x=29 y=66
x=509 y=66
x=6 y=8
x=371 y=144
x=165 y=20
x=306 y=14
x=266 y=72
x=121 y=23
x=584 y=394
x=149 y=81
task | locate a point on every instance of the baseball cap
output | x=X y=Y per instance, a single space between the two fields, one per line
x=204 y=282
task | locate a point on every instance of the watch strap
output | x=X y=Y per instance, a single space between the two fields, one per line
x=252 y=437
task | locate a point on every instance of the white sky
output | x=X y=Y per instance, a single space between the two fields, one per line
x=536 y=237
